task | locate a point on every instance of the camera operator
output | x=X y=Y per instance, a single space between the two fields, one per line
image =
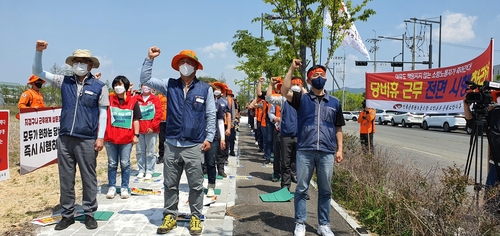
x=492 y=130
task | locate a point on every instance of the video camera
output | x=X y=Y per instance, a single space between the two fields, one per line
x=483 y=96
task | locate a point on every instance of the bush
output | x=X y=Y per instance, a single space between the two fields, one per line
x=392 y=197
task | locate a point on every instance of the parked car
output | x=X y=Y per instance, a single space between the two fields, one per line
x=445 y=121
x=407 y=119
x=351 y=115
x=384 y=116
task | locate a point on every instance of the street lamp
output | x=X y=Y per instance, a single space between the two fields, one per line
x=402 y=47
x=394 y=59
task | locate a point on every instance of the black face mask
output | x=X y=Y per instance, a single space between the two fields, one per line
x=38 y=84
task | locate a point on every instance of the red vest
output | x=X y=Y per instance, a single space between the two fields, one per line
x=119 y=135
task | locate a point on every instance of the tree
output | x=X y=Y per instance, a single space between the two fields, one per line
x=298 y=27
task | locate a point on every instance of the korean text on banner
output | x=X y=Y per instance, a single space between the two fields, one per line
x=4 y=144
x=39 y=130
x=440 y=90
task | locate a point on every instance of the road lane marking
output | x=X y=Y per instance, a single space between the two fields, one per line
x=416 y=150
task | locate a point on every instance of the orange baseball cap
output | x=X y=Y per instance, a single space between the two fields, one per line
x=34 y=78
x=185 y=54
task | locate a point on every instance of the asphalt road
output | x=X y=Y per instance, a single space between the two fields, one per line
x=426 y=148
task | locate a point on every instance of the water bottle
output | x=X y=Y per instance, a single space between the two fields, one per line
x=98 y=188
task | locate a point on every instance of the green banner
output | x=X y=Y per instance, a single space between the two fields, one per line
x=121 y=118
x=148 y=112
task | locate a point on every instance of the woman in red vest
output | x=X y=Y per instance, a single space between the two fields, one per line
x=122 y=131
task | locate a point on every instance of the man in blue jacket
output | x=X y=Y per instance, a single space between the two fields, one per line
x=85 y=101
x=190 y=132
x=319 y=143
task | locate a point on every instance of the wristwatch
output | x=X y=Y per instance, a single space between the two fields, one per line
x=137 y=135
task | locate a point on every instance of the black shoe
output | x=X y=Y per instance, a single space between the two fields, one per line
x=232 y=153
x=294 y=178
x=64 y=223
x=90 y=222
x=221 y=173
x=159 y=161
x=260 y=150
x=267 y=161
x=307 y=197
x=274 y=179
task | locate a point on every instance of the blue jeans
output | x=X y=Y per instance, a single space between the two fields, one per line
x=145 y=152
x=267 y=136
x=492 y=177
x=306 y=162
x=118 y=152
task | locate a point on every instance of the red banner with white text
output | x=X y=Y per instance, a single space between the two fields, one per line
x=438 y=90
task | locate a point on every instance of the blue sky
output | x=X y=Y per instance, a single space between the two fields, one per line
x=119 y=33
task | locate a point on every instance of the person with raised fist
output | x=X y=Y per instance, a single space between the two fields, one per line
x=85 y=101
x=190 y=132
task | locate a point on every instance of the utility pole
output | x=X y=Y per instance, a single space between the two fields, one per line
x=373 y=50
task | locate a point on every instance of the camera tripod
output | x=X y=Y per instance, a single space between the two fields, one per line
x=475 y=154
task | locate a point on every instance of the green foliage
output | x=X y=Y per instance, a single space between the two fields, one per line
x=397 y=198
x=352 y=101
x=297 y=27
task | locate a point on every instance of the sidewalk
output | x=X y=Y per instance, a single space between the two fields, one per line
x=142 y=214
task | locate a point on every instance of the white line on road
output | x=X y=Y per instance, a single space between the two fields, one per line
x=416 y=150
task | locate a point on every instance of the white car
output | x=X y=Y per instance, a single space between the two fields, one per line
x=351 y=115
x=384 y=116
x=445 y=121
x=407 y=119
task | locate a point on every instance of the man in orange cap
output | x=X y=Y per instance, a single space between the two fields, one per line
x=191 y=130
x=220 y=98
x=32 y=98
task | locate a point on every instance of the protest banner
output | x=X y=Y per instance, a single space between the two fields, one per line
x=4 y=144
x=39 y=130
x=439 y=90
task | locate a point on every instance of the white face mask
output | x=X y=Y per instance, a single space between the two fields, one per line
x=80 y=69
x=296 y=88
x=186 y=69
x=119 y=89
x=217 y=93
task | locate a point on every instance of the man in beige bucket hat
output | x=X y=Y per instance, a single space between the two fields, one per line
x=82 y=125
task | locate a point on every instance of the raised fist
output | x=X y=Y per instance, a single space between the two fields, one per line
x=153 y=52
x=261 y=79
x=97 y=75
x=41 y=45
x=296 y=64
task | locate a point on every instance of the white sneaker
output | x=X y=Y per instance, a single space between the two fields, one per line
x=140 y=175
x=325 y=230
x=124 y=193
x=300 y=230
x=111 y=193
x=210 y=192
x=256 y=143
x=148 y=176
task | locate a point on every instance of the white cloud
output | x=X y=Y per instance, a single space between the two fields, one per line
x=457 y=27
x=216 y=47
x=211 y=55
